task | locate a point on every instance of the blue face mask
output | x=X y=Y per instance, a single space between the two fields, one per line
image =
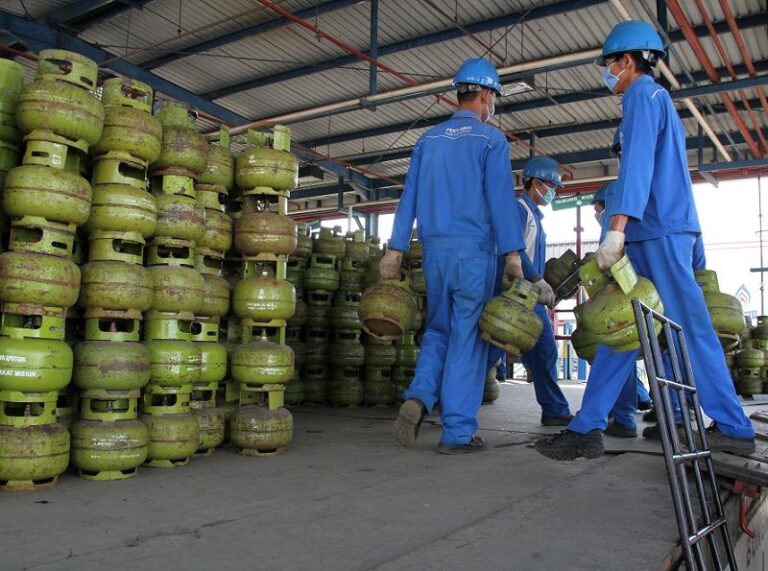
x=610 y=79
x=550 y=194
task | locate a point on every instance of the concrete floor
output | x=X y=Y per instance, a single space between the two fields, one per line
x=344 y=497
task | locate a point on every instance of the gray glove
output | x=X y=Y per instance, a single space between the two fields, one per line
x=546 y=293
x=611 y=249
x=389 y=266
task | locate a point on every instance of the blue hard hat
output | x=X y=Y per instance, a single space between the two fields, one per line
x=632 y=36
x=543 y=168
x=478 y=71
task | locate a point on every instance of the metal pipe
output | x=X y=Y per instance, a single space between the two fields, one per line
x=682 y=20
x=667 y=73
x=432 y=87
x=725 y=58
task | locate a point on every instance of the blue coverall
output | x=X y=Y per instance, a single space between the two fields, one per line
x=542 y=358
x=459 y=186
x=654 y=191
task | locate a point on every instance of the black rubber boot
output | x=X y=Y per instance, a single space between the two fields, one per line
x=477 y=444
x=408 y=423
x=556 y=420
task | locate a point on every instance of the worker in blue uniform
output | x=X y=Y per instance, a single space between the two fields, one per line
x=541 y=177
x=653 y=220
x=459 y=187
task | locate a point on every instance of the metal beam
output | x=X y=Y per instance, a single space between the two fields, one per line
x=500 y=110
x=86 y=13
x=451 y=33
x=248 y=32
x=40 y=36
x=721 y=87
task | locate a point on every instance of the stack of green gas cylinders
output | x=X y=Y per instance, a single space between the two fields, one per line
x=175 y=361
x=295 y=390
x=321 y=282
x=46 y=199
x=346 y=354
x=263 y=299
x=111 y=365
x=211 y=190
x=11 y=84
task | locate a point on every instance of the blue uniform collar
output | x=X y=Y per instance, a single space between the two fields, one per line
x=532 y=205
x=465 y=114
x=640 y=81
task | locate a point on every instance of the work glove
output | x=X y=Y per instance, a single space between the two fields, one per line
x=513 y=268
x=389 y=266
x=546 y=293
x=611 y=249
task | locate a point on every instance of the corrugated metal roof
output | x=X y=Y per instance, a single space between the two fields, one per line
x=159 y=29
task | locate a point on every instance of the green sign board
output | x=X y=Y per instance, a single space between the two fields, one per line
x=573 y=201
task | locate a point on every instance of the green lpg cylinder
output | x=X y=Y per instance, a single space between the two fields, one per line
x=32 y=457
x=176 y=289
x=174 y=363
x=262 y=362
x=402 y=377
x=173 y=438
x=217 y=234
x=378 y=388
x=329 y=242
x=264 y=298
x=294 y=341
x=299 y=317
x=371 y=276
x=346 y=351
x=318 y=316
x=111 y=365
x=415 y=252
x=356 y=246
x=343 y=314
x=321 y=273
x=129 y=127
x=379 y=353
x=115 y=286
x=418 y=281
x=39 y=279
x=407 y=352
x=109 y=450
x=608 y=313
x=508 y=320
x=725 y=310
x=211 y=425
x=51 y=193
x=294 y=273
x=347 y=393
x=122 y=208
x=351 y=275
x=584 y=343
x=295 y=391
x=258 y=431
x=386 y=309
x=265 y=232
x=220 y=168
x=183 y=150
x=316 y=347
x=557 y=270
x=751 y=360
x=267 y=162
x=34 y=365
x=215 y=296
x=760 y=331
x=61 y=100
x=11 y=86
x=213 y=361
x=179 y=217
x=303 y=242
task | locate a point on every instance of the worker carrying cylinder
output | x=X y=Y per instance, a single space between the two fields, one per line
x=459 y=187
x=653 y=220
x=541 y=178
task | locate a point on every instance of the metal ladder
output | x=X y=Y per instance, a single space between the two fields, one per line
x=694 y=450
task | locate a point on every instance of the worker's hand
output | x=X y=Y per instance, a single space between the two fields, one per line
x=389 y=266
x=546 y=293
x=611 y=249
x=513 y=268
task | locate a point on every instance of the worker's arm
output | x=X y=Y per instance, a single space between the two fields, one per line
x=499 y=192
x=406 y=208
x=640 y=129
